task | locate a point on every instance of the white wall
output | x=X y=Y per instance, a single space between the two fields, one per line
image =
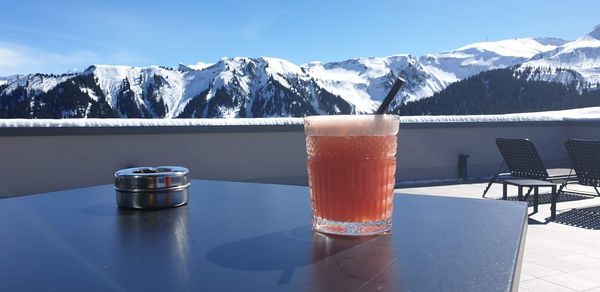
x=35 y=160
x=47 y=163
x=432 y=152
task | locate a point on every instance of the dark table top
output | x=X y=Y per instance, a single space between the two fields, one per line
x=529 y=182
x=253 y=237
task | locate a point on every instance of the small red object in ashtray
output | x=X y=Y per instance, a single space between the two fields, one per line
x=152 y=187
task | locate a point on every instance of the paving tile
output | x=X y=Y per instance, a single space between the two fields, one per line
x=579 y=248
x=572 y=282
x=533 y=244
x=537 y=271
x=533 y=236
x=526 y=277
x=594 y=254
x=591 y=274
x=569 y=247
x=560 y=264
x=593 y=243
x=582 y=260
x=542 y=285
x=542 y=253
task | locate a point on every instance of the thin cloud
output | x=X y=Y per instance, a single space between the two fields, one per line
x=260 y=24
x=63 y=36
x=15 y=57
x=20 y=59
x=255 y=29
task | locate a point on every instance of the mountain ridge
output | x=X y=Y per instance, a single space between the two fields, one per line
x=273 y=87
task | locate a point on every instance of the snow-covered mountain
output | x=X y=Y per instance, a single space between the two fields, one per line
x=577 y=61
x=474 y=58
x=254 y=87
x=4 y=80
x=364 y=82
x=268 y=87
x=232 y=87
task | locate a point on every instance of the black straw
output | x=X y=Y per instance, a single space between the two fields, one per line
x=390 y=96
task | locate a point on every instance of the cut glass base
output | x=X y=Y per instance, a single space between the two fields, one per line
x=351 y=228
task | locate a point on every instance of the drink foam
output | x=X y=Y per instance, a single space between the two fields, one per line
x=352 y=125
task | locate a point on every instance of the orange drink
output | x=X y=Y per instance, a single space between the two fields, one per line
x=351 y=167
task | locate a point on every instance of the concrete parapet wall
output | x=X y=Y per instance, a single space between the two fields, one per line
x=42 y=159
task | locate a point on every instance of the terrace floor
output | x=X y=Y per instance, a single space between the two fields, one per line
x=559 y=256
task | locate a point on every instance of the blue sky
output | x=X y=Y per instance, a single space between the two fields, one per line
x=57 y=36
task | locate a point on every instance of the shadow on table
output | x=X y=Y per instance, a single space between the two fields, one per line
x=284 y=250
x=588 y=218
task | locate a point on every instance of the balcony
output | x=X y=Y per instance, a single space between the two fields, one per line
x=44 y=156
x=61 y=154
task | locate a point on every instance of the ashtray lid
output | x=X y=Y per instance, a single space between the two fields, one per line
x=140 y=179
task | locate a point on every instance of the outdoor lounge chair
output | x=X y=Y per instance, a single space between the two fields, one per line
x=523 y=161
x=585 y=158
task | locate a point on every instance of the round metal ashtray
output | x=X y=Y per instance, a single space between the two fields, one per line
x=152 y=187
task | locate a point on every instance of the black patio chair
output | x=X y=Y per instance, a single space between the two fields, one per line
x=523 y=161
x=585 y=158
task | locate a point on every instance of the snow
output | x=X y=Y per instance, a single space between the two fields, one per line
x=193 y=67
x=281 y=66
x=582 y=42
x=520 y=48
x=240 y=73
x=223 y=78
x=590 y=113
x=43 y=83
x=65 y=123
x=443 y=76
x=581 y=55
x=343 y=81
x=364 y=82
x=551 y=41
x=172 y=90
x=193 y=83
x=478 y=57
x=199 y=65
x=552 y=74
x=228 y=113
x=89 y=92
x=34 y=83
x=111 y=79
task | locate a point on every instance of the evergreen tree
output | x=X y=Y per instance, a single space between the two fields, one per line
x=500 y=92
